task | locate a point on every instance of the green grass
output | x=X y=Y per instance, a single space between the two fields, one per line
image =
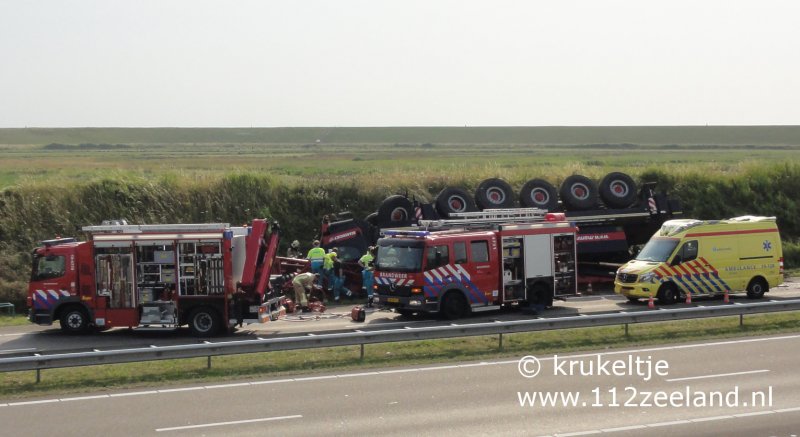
x=15 y=385
x=17 y=320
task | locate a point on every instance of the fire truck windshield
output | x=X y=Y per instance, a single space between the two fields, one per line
x=657 y=250
x=47 y=267
x=395 y=255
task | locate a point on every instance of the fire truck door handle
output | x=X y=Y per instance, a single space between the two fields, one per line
x=482 y=267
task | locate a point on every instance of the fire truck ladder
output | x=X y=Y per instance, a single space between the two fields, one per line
x=487 y=218
x=137 y=229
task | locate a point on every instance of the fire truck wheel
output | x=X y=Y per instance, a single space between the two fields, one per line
x=668 y=294
x=395 y=211
x=756 y=288
x=618 y=190
x=204 y=322
x=454 y=306
x=452 y=199
x=74 y=320
x=538 y=193
x=578 y=192
x=494 y=193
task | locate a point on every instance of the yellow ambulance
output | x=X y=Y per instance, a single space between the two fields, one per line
x=705 y=258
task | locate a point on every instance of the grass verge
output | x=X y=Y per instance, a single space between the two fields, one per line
x=17 y=320
x=269 y=365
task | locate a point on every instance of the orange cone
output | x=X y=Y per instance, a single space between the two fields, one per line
x=726 y=298
x=650 y=303
x=688 y=298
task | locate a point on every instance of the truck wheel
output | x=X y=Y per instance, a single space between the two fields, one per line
x=618 y=190
x=452 y=200
x=204 y=322
x=454 y=306
x=494 y=193
x=668 y=294
x=372 y=219
x=395 y=211
x=578 y=192
x=756 y=288
x=538 y=193
x=74 y=320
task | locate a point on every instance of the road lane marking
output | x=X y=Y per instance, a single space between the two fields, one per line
x=236 y=422
x=449 y=367
x=718 y=375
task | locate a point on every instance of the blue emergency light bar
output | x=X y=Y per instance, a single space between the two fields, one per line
x=400 y=233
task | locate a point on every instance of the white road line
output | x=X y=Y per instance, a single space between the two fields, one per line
x=455 y=366
x=718 y=375
x=12 y=335
x=8 y=351
x=236 y=422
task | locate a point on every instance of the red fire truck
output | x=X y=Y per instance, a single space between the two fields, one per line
x=479 y=261
x=203 y=275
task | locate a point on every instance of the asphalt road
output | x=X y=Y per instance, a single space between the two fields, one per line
x=32 y=338
x=688 y=389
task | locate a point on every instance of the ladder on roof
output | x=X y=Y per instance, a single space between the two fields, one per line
x=488 y=217
x=139 y=229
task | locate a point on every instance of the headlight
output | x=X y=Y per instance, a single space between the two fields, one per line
x=648 y=277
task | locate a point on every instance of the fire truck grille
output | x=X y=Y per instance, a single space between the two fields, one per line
x=400 y=291
x=626 y=278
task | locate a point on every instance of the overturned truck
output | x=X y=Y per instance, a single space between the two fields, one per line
x=613 y=216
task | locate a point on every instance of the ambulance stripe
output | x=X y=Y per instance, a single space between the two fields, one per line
x=694 y=276
x=687 y=286
x=701 y=275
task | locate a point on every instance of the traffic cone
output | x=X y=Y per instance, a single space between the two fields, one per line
x=726 y=299
x=688 y=298
x=650 y=303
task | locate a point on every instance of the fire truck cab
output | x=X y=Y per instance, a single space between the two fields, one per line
x=479 y=261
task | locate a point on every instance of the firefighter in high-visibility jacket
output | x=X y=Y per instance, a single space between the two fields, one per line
x=366 y=274
x=316 y=255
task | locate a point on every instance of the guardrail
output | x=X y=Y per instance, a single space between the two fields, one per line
x=309 y=341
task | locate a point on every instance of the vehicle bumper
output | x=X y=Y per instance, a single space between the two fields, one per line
x=40 y=317
x=415 y=302
x=637 y=289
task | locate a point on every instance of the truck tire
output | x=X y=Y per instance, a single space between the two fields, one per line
x=618 y=190
x=74 y=320
x=578 y=192
x=395 y=211
x=538 y=193
x=372 y=219
x=452 y=200
x=756 y=288
x=494 y=193
x=204 y=322
x=668 y=294
x=454 y=306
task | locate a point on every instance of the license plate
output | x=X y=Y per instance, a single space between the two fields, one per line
x=393 y=300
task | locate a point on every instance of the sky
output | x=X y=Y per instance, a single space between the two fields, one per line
x=296 y=63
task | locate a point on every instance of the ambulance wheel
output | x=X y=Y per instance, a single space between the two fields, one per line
x=452 y=199
x=756 y=288
x=494 y=193
x=618 y=190
x=395 y=211
x=538 y=193
x=204 y=322
x=633 y=299
x=74 y=320
x=454 y=306
x=668 y=294
x=578 y=192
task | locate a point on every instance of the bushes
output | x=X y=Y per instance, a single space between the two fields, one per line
x=32 y=212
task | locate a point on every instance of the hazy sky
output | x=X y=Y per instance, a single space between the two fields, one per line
x=398 y=63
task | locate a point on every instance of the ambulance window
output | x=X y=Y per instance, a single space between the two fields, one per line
x=437 y=256
x=480 y=251
x=460 y=252
x=688 y=252
x=48 y=267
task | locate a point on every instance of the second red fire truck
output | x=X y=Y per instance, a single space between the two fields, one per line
x=479 y=261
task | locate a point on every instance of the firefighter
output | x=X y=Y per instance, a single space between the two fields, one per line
x=316 y=255
x=303 y=283
x=338 y=277
x=366 y=274
x=294 y=250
